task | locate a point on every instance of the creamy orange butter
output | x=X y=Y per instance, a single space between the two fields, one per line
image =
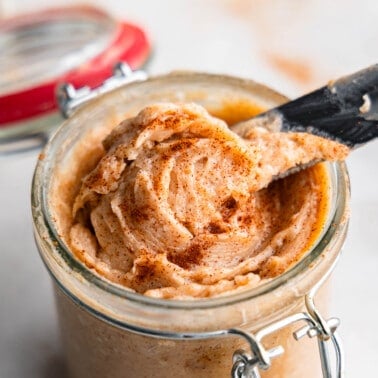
x=179 y=205
x=112 y=326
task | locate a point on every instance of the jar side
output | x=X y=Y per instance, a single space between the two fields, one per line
x=117 y=327
x=106 y=350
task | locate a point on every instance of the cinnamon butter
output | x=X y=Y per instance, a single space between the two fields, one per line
x=181 y=206
x=165 y=223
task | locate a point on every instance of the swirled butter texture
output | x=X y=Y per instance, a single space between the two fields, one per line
x=182 y=206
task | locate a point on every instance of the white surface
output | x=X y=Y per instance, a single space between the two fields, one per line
x=236 y=37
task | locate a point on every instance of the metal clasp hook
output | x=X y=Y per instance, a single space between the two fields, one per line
x=325 y=330
x=69 y=98
x=248 y=366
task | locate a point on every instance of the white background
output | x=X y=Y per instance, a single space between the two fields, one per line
x=291 y=45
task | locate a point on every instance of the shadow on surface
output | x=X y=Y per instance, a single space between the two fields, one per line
x=55 y=367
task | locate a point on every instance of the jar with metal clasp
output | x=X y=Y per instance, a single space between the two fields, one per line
x=278 y=329
x=78 y=44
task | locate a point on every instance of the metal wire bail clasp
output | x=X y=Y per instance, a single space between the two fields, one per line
x=325 y=331
x=69 y=98
x=249 y=365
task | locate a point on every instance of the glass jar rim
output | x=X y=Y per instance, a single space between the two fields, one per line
x=40 y=211
x=42 y=49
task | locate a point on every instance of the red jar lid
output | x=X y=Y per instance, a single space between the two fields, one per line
x=79 y=45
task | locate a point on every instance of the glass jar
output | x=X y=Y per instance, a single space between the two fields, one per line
x=109 y=331
x=79 y=44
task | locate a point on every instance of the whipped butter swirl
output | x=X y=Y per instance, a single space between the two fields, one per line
x=181 y=206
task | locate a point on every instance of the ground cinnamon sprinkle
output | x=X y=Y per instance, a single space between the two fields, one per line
x=215 y=228
x=187 y=259
x=138 y=214
x=228 y=208
x=179 y=203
